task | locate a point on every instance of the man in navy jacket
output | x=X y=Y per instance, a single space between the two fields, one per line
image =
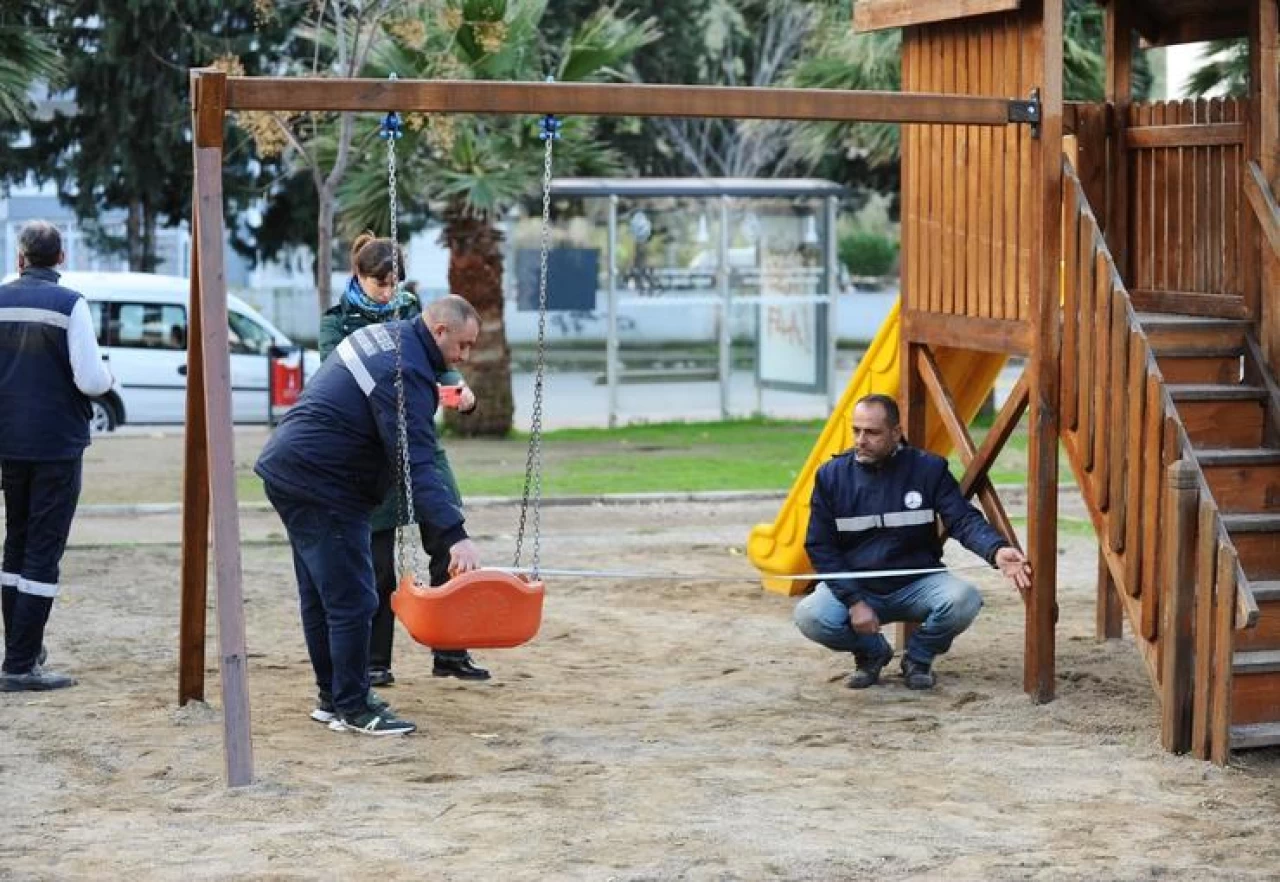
x=876 y=507
x=49 y=366
x=330 y=463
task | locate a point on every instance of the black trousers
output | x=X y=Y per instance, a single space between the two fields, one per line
x=40 y=502
x=386 y=578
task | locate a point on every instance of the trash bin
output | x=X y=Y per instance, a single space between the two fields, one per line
x=284 y=380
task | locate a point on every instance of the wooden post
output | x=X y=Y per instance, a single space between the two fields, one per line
x=1119 y=95
x=1179 y=551
x=913 y=401
x=1223 y=655
x=1205 y=627
x=195 y=494
x=1045 y=54
x=209 y=95
x=1110 y=614
x=1264 y=148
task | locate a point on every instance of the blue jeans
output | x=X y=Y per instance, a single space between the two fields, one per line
x=336 y=593
x=944 y=605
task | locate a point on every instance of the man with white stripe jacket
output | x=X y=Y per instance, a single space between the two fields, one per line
x=49 y=366
x=875 y=507
x=331 y=462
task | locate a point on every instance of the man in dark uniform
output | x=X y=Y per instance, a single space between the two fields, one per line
x=875 y=507
x=49 y=366
x=330 y=463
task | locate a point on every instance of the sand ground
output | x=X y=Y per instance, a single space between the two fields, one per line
x=665 y=729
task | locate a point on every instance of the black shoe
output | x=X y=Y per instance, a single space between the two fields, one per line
x=917 y=675
x=457 y=665
x=867 y=670
x=373 y=722
x=35 y=680
x=381 y=677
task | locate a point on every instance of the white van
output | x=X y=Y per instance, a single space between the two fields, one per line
x=141 y=321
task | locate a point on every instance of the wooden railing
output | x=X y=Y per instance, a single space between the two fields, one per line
x=1126 y=444
x=1264 y=205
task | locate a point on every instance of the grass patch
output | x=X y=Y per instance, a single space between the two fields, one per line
x=756 y=454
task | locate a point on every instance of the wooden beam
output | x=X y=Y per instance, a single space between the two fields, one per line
x=1169 y=136
x=878 y=15
x=1265 y=71
x=1265 y=207
x=195 y=497
x=913 y=406
x=1006 y=421
x=1119 y=95
x=1199 y=29
x=1044 y=51
x=1182 y=502
x=1003 y=336
x=237 y=742
x=609 y=99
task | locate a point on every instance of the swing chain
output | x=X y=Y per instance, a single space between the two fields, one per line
x=391 y=132
x=550 y=133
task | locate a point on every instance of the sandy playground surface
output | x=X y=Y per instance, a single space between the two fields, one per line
x=666 y=730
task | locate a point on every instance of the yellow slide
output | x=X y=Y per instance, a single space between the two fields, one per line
x=779 y=547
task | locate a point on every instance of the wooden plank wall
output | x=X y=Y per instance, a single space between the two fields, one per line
x=967 y=194
x=1187 y=223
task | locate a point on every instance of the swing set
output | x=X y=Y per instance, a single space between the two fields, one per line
x=447 y=617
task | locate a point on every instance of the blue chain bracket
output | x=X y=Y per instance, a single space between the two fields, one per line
x=549 y=127
x=392 y=127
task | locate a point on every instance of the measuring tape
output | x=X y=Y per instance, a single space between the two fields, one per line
x=688 y=577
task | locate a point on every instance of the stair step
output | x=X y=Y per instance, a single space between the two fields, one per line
x=1191 y=335
x=1255 y=735
x=1239 y=456
x=1265 y=591
x=1252 y=522
x=1216 y=392
x=1259 y=661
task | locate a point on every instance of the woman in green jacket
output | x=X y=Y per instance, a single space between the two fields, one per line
x=371 y=298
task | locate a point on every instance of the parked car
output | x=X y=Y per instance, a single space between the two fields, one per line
x=141 y=320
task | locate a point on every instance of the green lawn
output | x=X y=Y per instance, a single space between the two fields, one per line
x=673 y=457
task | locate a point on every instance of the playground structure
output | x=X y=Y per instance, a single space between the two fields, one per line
x=1151 y=353
x=985 y=204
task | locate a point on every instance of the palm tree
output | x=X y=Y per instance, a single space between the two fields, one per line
x=477 y=167
x=27 y=56
x=1224 y=70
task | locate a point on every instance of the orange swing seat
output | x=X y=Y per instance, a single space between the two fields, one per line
x=482 y=609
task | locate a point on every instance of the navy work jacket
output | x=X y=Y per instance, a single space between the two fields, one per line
x=883 y=517
x=338 y=445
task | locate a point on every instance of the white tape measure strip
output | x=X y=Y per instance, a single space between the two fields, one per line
x=693 y=577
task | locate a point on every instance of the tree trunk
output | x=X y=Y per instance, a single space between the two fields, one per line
x=324 y=247
x=150 y=260
x=133 y=236
x=475 y=274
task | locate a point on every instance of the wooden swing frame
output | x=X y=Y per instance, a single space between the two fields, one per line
x=209 y=487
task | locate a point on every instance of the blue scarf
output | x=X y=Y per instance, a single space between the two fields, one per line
x=356 y=297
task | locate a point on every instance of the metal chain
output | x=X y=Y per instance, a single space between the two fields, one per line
x=533 y=464
x=391 y=132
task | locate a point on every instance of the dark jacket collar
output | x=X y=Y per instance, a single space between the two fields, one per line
x=43 y=273
x=434 y=355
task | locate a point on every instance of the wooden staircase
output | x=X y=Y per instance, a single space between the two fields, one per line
x=1171 y=424
x=1229 y=406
